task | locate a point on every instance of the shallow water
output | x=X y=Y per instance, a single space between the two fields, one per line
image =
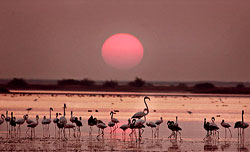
x=167 y=106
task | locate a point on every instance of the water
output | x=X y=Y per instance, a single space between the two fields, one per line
x=163 y=105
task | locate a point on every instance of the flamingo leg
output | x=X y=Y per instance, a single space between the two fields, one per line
x=230 y=132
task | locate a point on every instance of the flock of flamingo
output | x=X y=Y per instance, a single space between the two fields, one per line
x=134 y=123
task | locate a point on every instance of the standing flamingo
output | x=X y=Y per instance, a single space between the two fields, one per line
x=91 y=122
x=79 y=125
x=63 y=119
x=13 y=124
x=55 y=121
x=206 y=126
x=158 y=123
x=101 y=127
x=174 y=128
x=214 y=128
x=7 y=119
x=152 y=125
x=226 y=126
x=114 y=120
x=132 y=127
x=46 y=122
x=241 y=124
x=111 y=126
x=72 y=118
x=32 y=126
x=20 y=122
x=124 y=127
x=143 y=113
x=139 y=124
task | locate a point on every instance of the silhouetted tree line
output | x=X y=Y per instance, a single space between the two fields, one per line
x=110 y=84
x=84 y=82
x=138 y=82
x=17 y=82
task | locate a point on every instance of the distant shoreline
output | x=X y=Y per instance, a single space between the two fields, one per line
x=118 y=93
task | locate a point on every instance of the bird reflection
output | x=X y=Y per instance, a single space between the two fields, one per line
x=210 y=145
x=225 y=145
x=174 y=146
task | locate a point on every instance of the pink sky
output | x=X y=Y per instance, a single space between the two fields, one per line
x=183 y=40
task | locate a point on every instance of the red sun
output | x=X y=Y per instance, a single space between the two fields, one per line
x=122 y=51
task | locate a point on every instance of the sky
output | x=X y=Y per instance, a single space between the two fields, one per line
x=183 y=40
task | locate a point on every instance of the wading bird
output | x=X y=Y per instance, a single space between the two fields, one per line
x=72 y=118
x=174 y=128
x=158 y=123
x=32 y=127
x=46 y=122
x=143 y=113
x=101 y=127
x=91 y=122
x=79 y=125
x=55 y=121
x=114 y=120
x=241 y=125
x=20 y=122
x=124 y=127
x=12 y=125
x=7 y=120
x=226 y=126
x=152 y=125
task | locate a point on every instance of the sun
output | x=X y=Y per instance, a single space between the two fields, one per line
x=122 y=51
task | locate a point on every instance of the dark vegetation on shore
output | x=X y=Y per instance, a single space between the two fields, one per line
x=138 y=85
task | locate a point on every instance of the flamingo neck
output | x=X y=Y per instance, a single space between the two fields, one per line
x=242 y=117
x=145 y=118
x=49 y=114
x=145 y=103
x=111 y=115
x=64 y=112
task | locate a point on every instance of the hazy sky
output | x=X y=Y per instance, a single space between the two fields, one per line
x=183 y=40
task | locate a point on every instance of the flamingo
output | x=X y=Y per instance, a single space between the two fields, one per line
x=158 y=123
x=114 y=120
x=111 y=125
x=152 y=125
x=143 y=113
x=226 y=126
x=241 y=124
x=206 y=127
x=174 y=128
x=124 y=127
x=20 y=122
x=213 y=127
x=7 y=119
x=46 y=122
x=101 y=126
x=70 y=126
x=91 y=122
x=132 y=127
x=63 y=119
x=13 y=124
x=55 y=121
x=72 y=119
x=78 y=124
x=32 y=126
x=139 y=124
x=60 y=127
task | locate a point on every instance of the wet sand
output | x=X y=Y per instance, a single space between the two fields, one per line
x=222 y=107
